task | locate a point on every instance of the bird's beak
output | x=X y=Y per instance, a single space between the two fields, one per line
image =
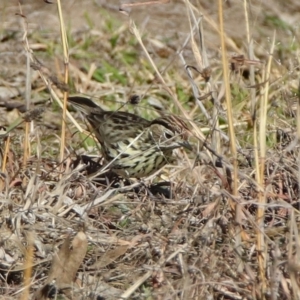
x=186 y=145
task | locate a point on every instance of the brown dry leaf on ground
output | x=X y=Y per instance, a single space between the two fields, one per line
x=64 y=267
x=109 y=257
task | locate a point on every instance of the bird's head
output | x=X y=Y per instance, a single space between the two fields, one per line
x=170 y=132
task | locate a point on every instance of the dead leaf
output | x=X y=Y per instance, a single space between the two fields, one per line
x=65 y=265
x=109 y=257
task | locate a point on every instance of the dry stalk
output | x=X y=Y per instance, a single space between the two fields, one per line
x=66 y=77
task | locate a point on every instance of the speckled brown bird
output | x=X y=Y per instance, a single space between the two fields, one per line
x=134 y=146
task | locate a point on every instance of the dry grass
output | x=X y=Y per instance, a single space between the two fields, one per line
x=222 y=223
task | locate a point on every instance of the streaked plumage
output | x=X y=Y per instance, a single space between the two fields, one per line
x=134 y=146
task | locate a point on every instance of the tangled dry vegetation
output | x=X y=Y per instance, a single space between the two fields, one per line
x=220 y=223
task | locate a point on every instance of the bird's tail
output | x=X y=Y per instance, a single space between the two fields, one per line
x=85 y=105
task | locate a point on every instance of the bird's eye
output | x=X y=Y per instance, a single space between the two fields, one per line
x=168 y=135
